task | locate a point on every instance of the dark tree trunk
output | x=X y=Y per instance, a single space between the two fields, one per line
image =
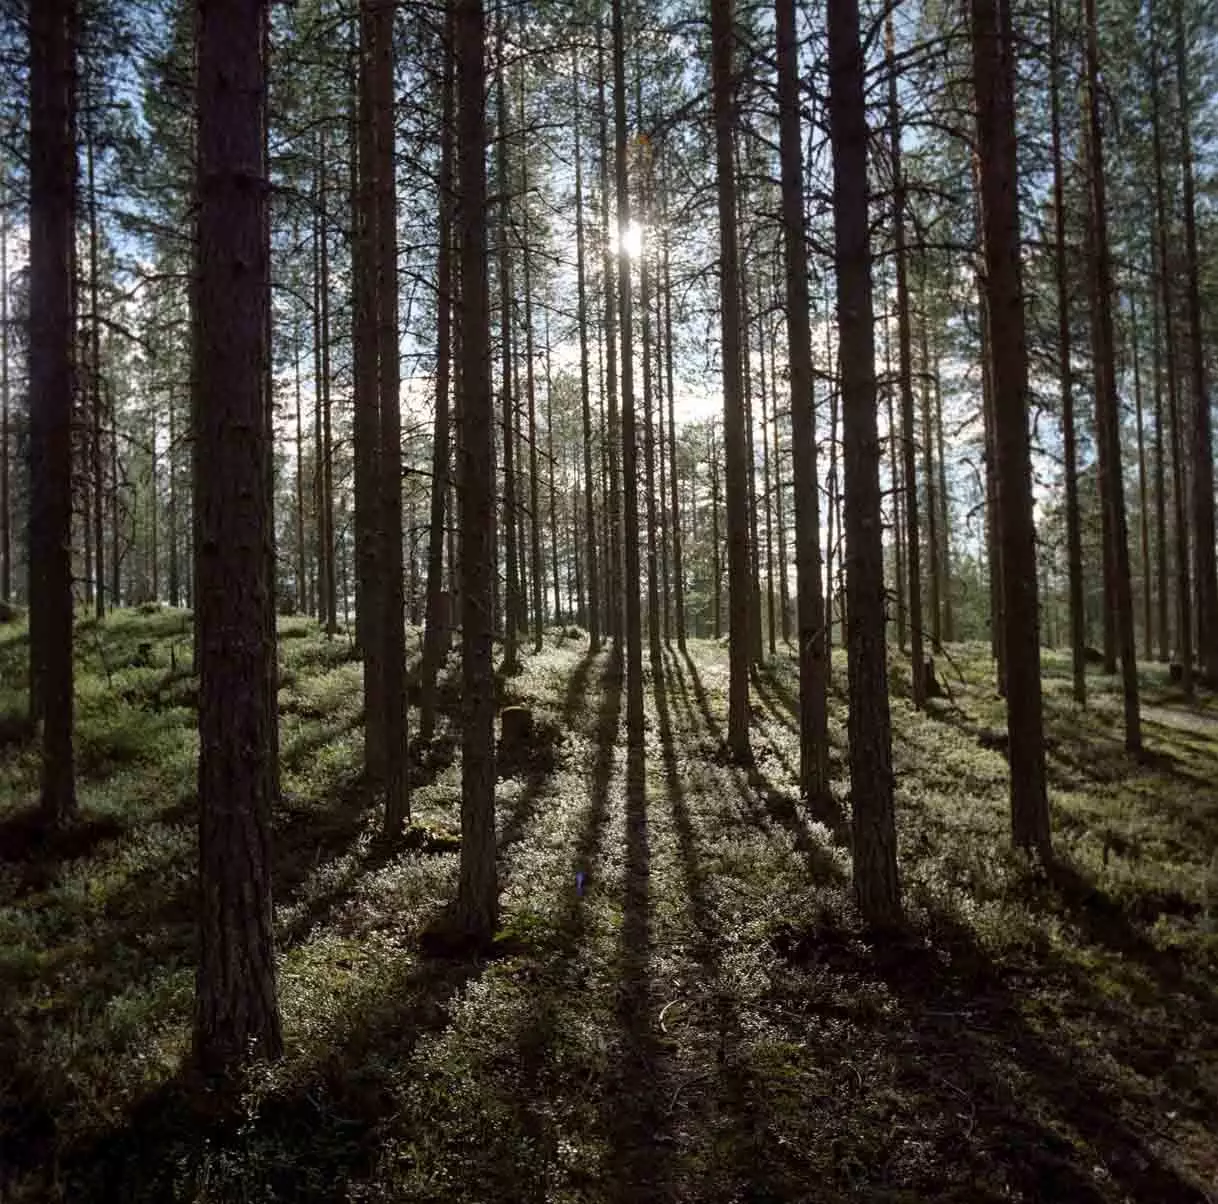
x=590 y=553
x=511 y=580
x=739 y=571
x=780 y=513
x=389 y=456
x=1162 y=580
x=654 y=644
x=934 y=564
x=909 y=443
x=1106 y=402
x=1184 y=602
x=1202 y=500
x=876 y=881
x=678 y=569
x=52 y=37
x=536 y=580
x=613 y=577
x=630 y=467
x=1148 y=631
x=478 y=892
x=1074 y=540
x=994 y=82
x=236 y=1011
x=767 y=495
x=6 y=503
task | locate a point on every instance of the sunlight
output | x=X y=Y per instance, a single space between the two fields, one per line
x=632 y=241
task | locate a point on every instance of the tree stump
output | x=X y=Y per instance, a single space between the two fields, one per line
x=515 y=734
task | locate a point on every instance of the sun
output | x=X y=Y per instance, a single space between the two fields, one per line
x=631 y=243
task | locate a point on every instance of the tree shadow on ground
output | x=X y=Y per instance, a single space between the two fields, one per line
x=1004 y=1110
x=537 y=763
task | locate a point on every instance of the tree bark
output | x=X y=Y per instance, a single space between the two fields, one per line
x=1143 y=493
x=993 y=42
x=909 y=443
x=740 y=613
x=876 y=881
x=52 y=35
x=1074 y=541
x=592 y=573
x=478 y=889
x=6 y=504
x=630 y=466
x=678 y=568
x=1202 y=500
x=1106 y=400
x=393 y=713
x=236 y=1011
x=1184 y=601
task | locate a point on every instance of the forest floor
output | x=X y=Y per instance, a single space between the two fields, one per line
x=682 y=1005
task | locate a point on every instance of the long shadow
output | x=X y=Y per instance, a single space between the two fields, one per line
x=994 y=1094
x=635 y=1121
x=543 y=754
x=308 y=1141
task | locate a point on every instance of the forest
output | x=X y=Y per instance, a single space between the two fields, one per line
x=608 y=600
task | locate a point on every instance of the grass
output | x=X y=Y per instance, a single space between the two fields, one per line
x=682 y=1005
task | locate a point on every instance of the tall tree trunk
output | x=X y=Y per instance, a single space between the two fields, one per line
x=895 y=444
x=590 y=551
x=236 y=1011
x=613 y=577
x=96 y=443
x=993 y=40
x=1106 y=400
x=1184 y=601
x=933 y=563
x=1074 y=540
x=630 y=467
x=550 y=475
x=1202 y=501
x=298 y=509
x=909 y=443
x=52 y=34
x=678 y=568
x=1148 y=630
x=6 y=503
x=1162 y=579
x=739 y=571
x=949 y=617
x=537 y=581
x=367 y=422
x=767 y=496
x=780 y=514
x=511 y=575
x=876 y=881
x=833 y=536
x=654 y=644
x=478 y=890
x=393 y=629
x=716 y=562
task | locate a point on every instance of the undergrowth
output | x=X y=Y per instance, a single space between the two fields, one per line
x=682 y=1003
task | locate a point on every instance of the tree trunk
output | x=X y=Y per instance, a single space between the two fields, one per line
x=1106 y=399
x=613 y=582
x=876 y=882
x=6 y=504
x=739 y=571
x=511 y=578
x=367 y=422
x=1206 y=566
x=933 y=564
x=537 y=581
x=767 y=496
x=592 y=560
x=52 y=33
x=654 y=644
x=678 y=569
x=716 y=563
x=96 y=443
x=812 y=621
x=1074 y=541
x=478 y=890
x=630 y=467
x=393 y=714
x=236 y=1011
x=1184 y=602
x=780 y=514
x=909 y=443
x=1148 y=631
x=993 y=42
x=895 y=443
x=1162 y=579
